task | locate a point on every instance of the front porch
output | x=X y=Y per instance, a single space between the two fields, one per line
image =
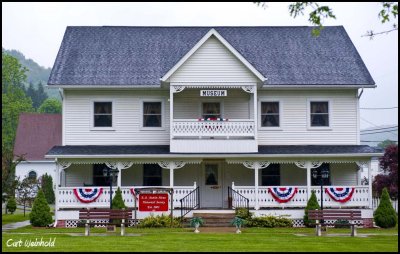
x=260 y=182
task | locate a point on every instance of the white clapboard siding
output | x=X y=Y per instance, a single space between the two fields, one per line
x=126 y=119
x=294 y=129
x=213 y=62
x=344 y=174
x=188 y=104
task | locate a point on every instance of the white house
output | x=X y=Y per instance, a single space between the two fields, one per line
x=36 y=134
x=226 y=116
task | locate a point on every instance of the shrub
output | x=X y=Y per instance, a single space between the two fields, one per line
x=118 y=202
x=40 y=215
x=47 y=187
x=312 y=204
x=385 y=216
x=11 y=205
x=196 y=220
x=269 y=222
x=243 y=213
x=159 y=221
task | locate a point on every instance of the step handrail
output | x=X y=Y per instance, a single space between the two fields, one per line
x=237 y=200
x=190 y=202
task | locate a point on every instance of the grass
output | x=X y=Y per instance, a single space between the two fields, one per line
x=11 y=218
x=183 y=239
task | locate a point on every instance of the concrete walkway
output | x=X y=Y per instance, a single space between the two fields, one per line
x=15 y=225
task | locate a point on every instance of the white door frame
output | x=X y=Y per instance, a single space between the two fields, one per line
x=221 y=184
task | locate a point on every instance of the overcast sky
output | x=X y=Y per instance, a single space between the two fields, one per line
x=36 y=29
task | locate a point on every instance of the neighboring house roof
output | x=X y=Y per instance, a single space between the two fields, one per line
x=36 y=134
x=164 y=149
x=140 y=56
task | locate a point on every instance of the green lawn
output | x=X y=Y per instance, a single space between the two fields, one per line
x=11 y=218
x=182 y=240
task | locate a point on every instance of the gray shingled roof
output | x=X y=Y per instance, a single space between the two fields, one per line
x=142 y=55
x=164 y=149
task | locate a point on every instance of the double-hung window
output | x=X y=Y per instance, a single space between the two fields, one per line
x=319 y=114
x=102 y=114
x=270 y=114
x=152 y=114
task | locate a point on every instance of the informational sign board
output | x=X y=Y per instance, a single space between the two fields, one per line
x=215 y=93
x=153 y=202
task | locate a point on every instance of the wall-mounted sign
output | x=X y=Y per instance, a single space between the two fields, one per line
x=153 y=202
x=213 y=93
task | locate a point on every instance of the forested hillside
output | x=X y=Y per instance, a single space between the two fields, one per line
x=36 y=74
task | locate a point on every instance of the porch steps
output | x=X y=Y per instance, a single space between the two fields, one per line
x=216 y=219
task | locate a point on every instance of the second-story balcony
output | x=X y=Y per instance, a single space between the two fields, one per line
x=203 y=123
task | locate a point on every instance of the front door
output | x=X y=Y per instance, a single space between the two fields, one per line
x=212 y=182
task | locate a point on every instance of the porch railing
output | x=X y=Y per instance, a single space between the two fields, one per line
x=66 y=197
x=190 y=202
x=237 y=200
x=360 y=197
x=196 y=128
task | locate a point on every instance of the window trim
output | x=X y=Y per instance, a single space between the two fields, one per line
x=323 y=128
x=154 y=99
x=94 y=128
x=211 y=100
x=270 y=128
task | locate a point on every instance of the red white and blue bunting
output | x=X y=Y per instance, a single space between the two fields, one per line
x=282 y=195
x=134 y=193
x=87 y=195
x=340 y=194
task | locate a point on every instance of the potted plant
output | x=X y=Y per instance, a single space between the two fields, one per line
x=196 y=222
x=237 y=222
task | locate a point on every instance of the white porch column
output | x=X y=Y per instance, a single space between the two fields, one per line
x=369 y=183
x=119 y=180
x=256 y=185
x=308 y=181
x=57 y=180
x=308 y=165
x=171 y=165
x=171 y=176
x=256 y=165
x=59 y=165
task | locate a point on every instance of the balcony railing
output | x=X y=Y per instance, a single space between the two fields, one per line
x=229 y=128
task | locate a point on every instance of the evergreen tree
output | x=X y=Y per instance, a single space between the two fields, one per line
x=41 y=95
x=312 y=204
x=118 y=202
x=40 y=215
x=11 y=205
x=385 y=216
x=31 y=92
x=47 y=187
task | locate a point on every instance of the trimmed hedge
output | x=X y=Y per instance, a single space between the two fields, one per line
x=312 y=204
x=385 y=216
x=159 y=221
x=269 y=222
x=40 y=215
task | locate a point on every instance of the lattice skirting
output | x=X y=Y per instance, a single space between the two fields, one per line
x=74 y=223
x=299 y=223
